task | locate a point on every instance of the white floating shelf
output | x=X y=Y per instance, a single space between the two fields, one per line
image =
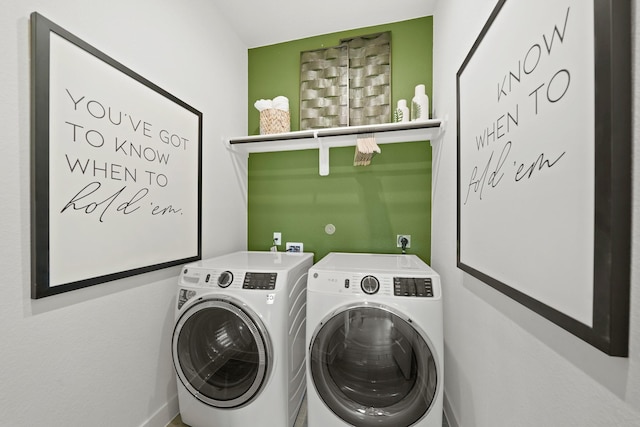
x=323 y=139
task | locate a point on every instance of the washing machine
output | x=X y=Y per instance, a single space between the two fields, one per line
x=374 y=342
x=239 y=336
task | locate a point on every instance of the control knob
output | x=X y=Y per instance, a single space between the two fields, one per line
x=225 y=279
x=370 y=285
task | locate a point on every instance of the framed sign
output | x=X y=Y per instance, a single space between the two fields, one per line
x=544 y=162
x=116 y=168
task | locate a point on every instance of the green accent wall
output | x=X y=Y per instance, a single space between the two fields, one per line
x=369 y=205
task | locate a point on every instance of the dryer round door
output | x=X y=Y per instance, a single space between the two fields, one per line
x=372 y=367
x=221 y=352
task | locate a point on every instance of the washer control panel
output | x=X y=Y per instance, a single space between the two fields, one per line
x=413 y=287
x=222 y=279
x=259 y=280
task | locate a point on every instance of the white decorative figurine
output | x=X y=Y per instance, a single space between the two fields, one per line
x=420 y=105
x=401 y=114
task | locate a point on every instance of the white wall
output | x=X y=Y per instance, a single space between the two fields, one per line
x=505 y=365
x=100 y=356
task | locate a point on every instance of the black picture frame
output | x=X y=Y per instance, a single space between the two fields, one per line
x=116 y=168
x=609 y=283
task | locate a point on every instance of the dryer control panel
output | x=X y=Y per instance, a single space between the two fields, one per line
x=374 y=285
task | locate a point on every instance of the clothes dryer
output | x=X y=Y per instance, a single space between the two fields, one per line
x=238 y=341
x=374 y=342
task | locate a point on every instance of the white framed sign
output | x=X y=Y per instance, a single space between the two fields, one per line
x=544 y=149
x=116 y=168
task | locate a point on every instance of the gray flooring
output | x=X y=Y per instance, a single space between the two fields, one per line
x=301 y=421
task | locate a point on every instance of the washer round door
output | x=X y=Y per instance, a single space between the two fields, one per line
x=372 y=367
x=222 y=353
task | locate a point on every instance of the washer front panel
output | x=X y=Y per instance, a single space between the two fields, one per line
x=221 y=353
x=372 y=367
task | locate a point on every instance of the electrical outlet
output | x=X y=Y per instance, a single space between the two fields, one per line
x=294 y=247
x=277 y=238
x=399 y=240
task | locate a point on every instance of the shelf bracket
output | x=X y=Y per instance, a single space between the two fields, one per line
x=323 y=156
x=233 y=150
x=443 y=128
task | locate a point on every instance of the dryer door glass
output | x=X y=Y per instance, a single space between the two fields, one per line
x=221 y=354
x=373 y=368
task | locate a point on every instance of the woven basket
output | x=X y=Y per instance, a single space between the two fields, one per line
x=274 y=121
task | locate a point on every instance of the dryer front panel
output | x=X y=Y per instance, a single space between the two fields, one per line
x=221 y=353
x=372 y=367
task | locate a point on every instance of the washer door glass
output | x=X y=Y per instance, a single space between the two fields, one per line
x=221 y=353
x=373 y=368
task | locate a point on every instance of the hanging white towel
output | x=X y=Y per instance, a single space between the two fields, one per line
x=366 y=148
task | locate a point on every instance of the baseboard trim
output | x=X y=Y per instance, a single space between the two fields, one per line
x=164 y=415
x=448 y=412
